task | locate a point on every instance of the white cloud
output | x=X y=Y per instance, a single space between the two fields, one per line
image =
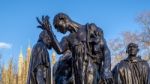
x=4 y=45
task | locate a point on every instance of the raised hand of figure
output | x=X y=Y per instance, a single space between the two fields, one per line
x=44 y=23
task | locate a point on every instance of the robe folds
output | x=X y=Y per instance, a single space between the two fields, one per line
x=132 y=71
x=39 y=60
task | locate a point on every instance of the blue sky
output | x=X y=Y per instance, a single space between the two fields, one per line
x=18 y=23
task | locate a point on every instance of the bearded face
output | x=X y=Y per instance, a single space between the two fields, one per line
x=61 y=22
x=132 y=49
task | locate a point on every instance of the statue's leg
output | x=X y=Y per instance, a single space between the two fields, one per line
x=40 y=76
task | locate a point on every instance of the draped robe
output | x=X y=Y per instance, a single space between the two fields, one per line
x=132 y=71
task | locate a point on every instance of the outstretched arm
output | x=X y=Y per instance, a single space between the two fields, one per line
x=45 y=25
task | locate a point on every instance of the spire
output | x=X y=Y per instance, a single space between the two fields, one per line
x=29 y=45
x=53 y=57
x=28 y=53
x=53 y=61
x=20 y=62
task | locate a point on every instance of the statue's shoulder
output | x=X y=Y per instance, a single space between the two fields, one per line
x=145 y=63
x=68 y=37
x=71 y=36
x=122 y=64
x=118 y=67
x=38 y=46
x=93 y=27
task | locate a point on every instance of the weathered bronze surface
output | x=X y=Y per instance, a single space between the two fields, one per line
x=90 y=55
x=39 y=69
x=132 y=70
x=85 y=56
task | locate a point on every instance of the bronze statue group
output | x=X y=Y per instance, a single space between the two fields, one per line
x=85 y=59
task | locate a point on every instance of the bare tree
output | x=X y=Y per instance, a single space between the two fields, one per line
x=118 y=46
x=142 y=38
x=144 y=20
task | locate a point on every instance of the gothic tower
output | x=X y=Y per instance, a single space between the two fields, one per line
x=20 y=67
